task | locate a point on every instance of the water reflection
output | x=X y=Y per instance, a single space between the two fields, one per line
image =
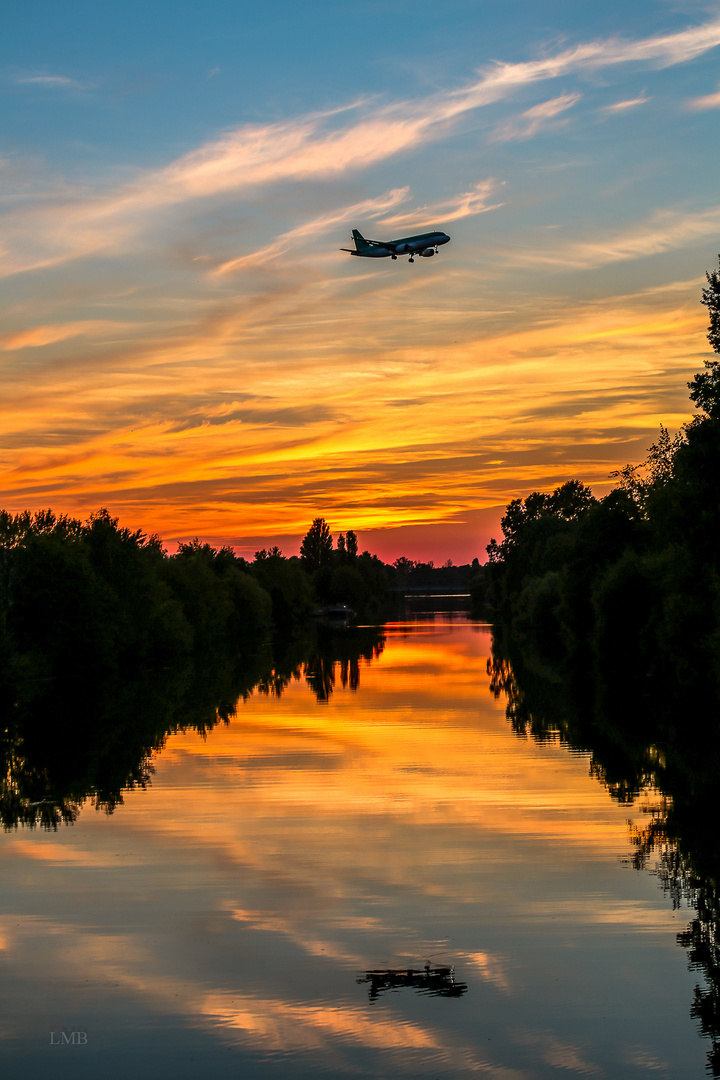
x=217 y=922
x=70 y=740
x=642 y=738
x=340 y=655
x=433 y=981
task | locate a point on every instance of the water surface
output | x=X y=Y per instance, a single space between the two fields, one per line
x=379 y=816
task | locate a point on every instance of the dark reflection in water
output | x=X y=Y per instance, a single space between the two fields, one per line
x=340 y=656
x=642 y=736
x=69 y=740
x=432 y=981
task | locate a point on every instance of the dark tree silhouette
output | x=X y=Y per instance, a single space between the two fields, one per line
x=317 y=547
x=705 y=387
x=711 y=299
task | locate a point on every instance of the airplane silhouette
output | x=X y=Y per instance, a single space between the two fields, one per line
x=425 y=244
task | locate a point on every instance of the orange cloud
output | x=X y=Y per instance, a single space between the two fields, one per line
x=201 y=435
x=36 y=336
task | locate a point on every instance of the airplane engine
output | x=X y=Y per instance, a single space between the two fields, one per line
x=428 y=253
x=403 y=249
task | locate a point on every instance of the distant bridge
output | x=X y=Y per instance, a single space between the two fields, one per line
x=428 y=590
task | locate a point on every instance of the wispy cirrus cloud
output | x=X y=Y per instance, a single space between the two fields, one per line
x=302 y=148
x=474 y=201
x=466 y=204
x=663 y=231
x=707 y=101
x=661 y=51
x=624 y=106
x=318 y=225
x=532 y=120
x=48 y=82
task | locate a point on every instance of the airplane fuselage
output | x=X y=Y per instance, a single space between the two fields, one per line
x=424 y=244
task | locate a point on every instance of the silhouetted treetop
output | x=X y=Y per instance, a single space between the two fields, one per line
x=711 y=299
x=317 y=547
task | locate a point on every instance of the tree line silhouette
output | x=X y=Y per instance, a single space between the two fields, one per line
x=108 y=597
x=108 y=645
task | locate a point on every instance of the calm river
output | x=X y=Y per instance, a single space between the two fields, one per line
x=369 y=875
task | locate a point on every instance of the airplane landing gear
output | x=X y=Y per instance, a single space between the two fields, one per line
x=393 y=256
x=411 y=259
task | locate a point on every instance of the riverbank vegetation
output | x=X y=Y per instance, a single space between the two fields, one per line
x=108 y=644
x=577 y=579
x=94 y=597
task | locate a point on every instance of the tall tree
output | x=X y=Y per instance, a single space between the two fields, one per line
x=316 y=548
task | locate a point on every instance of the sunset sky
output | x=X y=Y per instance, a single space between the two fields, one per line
x=182 y=341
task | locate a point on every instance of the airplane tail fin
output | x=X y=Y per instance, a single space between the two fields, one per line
x=361 y=243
